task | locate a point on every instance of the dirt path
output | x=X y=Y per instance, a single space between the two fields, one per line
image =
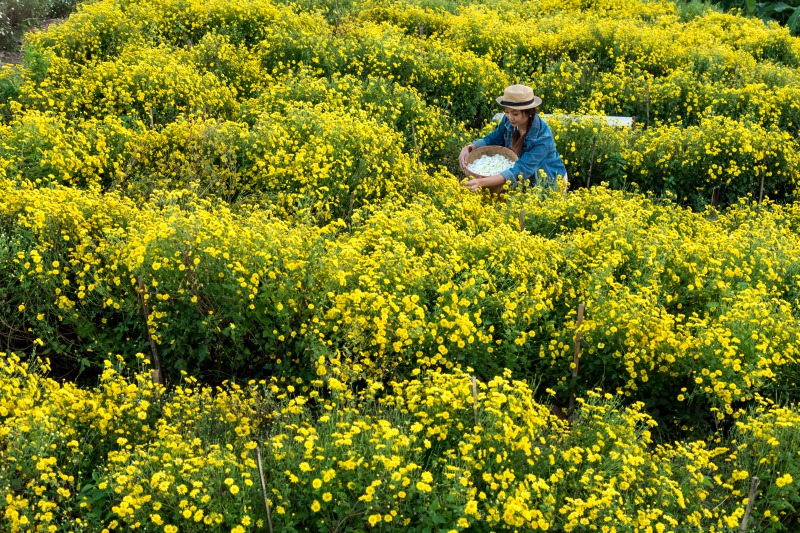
x=13 y=57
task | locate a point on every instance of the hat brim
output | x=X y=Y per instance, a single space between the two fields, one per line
x=536 y=102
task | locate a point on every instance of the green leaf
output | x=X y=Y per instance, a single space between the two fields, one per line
x=775 y=7
x=751 y=6
x=794 y=22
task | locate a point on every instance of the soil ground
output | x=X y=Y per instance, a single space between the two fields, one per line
x=14 y=56
x=10 y=57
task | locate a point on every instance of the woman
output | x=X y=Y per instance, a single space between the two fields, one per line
x=528 y=135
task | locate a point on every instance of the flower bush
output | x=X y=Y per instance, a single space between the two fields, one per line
x=262 y=197
x=428 y=450
x=679 y=305
x=731 y=109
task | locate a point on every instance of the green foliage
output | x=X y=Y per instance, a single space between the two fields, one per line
x=786 y=13
x=10 y=80
x=691 y=9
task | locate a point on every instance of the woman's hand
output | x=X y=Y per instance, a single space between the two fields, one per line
x=462 y=157
x=494 y=183
x=474 y=184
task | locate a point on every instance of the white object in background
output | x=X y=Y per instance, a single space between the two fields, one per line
x=611 y=121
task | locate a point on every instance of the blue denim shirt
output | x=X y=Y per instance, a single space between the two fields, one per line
x=539 y=153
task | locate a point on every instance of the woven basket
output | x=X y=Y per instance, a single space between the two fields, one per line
x=490 y=151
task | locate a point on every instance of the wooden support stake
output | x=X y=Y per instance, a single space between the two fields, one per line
x=761 y=191
x=156 y=373
x=350 y=209
x=416 y=147
x=715 y=197
x=576 y=358
x=521 y=220
x=751 y=500
x=647 y=101
x=338 y=20
x=263 y=487
x=591 y=161
x=475 y=398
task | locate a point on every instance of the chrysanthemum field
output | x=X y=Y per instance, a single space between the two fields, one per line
x=261 y=199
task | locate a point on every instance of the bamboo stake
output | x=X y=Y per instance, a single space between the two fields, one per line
x=156 y=374
x=475 y=398
x=751 y=500
x=263 y=487
x=576 y=358
x=416 y=147
x=338 y=20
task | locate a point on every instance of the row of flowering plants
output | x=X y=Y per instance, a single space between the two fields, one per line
x=679 y=305
x=433 y=452
x=118 y=92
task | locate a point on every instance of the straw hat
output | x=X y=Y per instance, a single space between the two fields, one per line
x=519 y=97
